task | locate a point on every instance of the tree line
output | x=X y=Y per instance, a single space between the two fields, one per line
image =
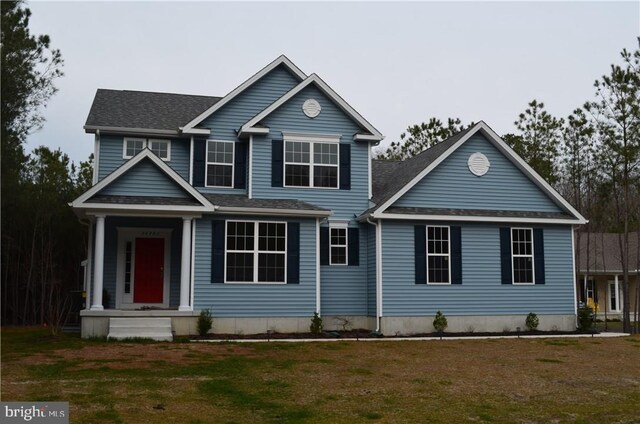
x=42 y=241
x=591 y=157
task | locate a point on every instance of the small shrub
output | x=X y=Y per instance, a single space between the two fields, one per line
x=205 y=322
x=532 y=321
x=316 y=324
x=585 y=318
x=440 y=322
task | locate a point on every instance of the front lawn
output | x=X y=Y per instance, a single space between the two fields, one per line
x=508 y=380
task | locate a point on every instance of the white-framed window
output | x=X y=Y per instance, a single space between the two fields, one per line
x=255 y=252
x=338 y=242
x=162 y=148
x=522 y=256
x=311 y=163
x=133 y=146
x=219 y=163
x=438 y=255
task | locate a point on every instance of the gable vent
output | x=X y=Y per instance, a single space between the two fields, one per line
x=311 y=108
x=478 y=164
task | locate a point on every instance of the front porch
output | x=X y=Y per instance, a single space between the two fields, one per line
x=602 y=291
x=96 y=323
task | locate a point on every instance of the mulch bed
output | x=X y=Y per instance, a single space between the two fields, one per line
x=368 y=334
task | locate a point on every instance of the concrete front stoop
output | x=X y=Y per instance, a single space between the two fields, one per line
x=146 y=328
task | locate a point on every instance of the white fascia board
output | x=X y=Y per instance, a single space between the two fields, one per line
x=196 y=131
x=281 y=60
x=105 y=207
x=125 y=130
x=144 y=154
x=508 y=152
x=467 y=218
x=367 y=137
x=271 y=212
x=606 y=271
x=254 y=131
x=328 y=91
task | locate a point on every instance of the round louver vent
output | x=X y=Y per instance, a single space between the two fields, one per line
x=478 y=164
x=311 y=108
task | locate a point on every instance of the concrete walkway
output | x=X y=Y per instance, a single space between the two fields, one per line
x=398 y=339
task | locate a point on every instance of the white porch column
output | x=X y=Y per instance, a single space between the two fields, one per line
x=185 y=265
x=98 y=265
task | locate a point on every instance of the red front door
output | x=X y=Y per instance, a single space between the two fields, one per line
x=149 y=271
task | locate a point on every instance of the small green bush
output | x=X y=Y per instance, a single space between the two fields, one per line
x=532 y=321
x=316 y=324
x=440 y=322
x=585 y=318
x=205 y=322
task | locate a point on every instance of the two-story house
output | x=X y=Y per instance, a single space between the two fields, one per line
x=265 y=206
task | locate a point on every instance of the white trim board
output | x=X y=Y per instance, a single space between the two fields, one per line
x=280 y=60
x=248 y=127
x=81 y=202
x=494 y=139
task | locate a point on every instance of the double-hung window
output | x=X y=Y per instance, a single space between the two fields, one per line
x=311 y=163
x=438 y=255
x=133 y=146
x=522 y=255
x=256 y=252
x=219 y=163
x=338 y=246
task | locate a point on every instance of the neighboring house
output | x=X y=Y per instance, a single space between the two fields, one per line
x=265 y=206
x=601 y=272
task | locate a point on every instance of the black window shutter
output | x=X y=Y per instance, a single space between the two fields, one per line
x=421 y=254
x=199 y=161
x=345 y=166
x=324 y=245
x=293 y=253
x=505 y=255
x=217 y=251
x=277 y=152
x=455 y=234
x=538 y=255
x=240 y=165
x=354 y=246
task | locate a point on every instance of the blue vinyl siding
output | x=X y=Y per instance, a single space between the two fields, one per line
x=111 y=148
x=111 y=252
x=145 y=179
x=256 y=300
x=452 y=185
x=371 y=269
x=289 y=117
x=481 y=291
x=227 y=120
x=343 y=289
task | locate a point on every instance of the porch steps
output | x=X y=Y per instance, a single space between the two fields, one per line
x=144 y=328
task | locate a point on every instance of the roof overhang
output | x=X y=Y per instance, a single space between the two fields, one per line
x=314 y=79
x=468 y=218
x=83 y=203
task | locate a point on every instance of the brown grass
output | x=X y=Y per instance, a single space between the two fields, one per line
x=511 y=381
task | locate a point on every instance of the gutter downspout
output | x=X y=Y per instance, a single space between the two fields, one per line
x=378 y=226
x=318 y=266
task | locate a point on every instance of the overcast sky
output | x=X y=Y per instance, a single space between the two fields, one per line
x=396 y=63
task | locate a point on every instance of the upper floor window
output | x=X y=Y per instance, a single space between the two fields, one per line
x=311 y=163
x=133 y=146
x=438 y=255
x=522 y=255
x=219 y=163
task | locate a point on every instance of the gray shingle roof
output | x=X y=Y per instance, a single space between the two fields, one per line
x=604 y=252
x=143 y=200
x=148 y=110
x=240 y=201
